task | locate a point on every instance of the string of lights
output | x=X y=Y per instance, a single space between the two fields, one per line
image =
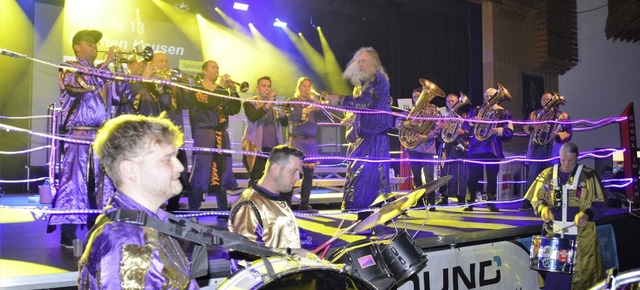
x=600 y=153
x=25 y=151
x=24 y=117
x=133 y=78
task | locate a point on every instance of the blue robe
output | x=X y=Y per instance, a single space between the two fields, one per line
x=91 y=94
x=365 y=180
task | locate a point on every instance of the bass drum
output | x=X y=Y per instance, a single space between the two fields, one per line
x=300 y=273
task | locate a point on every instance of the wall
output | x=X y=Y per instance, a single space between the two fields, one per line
x=510 y=56
x=605 y=80
x=16 y=35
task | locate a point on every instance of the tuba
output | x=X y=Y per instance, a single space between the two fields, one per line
x=449 y=131
x=482 y=131
x=543 y=135
x=422 y=108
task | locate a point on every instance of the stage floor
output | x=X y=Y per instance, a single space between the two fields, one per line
x=28 y=253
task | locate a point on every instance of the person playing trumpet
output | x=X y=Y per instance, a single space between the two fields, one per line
x=301 y=134
x=264 y=128
x=85 y=101
x=210 y=120
x=172 y=101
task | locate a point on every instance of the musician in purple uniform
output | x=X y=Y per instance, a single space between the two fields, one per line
x=489 y=149
x=210 y=122
x=545 y=139
x=264 y=128
x=85 y=102
x=139 y=154
x=365 y=180
x=423 y=151
x=301 y=134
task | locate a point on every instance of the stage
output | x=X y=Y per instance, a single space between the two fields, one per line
x=31 y=258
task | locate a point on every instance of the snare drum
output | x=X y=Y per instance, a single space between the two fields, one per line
x=403 y=257
x=365 y=261
x=552 y=254
x=291 y=273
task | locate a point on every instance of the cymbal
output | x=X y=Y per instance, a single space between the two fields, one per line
x=393 y=209
x=386 y=212
x=414 y=196
x=383 y=197
x=435 y=184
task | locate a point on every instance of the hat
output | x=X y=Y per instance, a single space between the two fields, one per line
x=82 y=34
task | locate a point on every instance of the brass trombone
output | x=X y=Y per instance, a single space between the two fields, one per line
x=320 y=98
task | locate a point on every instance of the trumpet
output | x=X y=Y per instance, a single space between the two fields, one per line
x=131 y=56
x=185 y=78
x=244 y=86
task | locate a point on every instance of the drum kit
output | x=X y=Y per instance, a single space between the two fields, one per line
x=364 y=264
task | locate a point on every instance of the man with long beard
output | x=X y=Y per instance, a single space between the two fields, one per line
x=366 y=180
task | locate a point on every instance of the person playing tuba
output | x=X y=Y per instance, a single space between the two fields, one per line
x=545 y=139
x=423 y=148
x=486 y=143
x=454 y=146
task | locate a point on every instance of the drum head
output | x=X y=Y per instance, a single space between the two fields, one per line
x=311 y=279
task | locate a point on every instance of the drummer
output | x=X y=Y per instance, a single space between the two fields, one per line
x=586 y=204
x=261 y=215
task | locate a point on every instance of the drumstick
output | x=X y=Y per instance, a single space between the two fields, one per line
x=334 y=238
x=324 y=253
x=326 y=249
x=337 y=231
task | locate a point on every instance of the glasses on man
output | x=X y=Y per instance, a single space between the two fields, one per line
x=90 y=42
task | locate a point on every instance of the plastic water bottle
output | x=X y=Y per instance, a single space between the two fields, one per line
x=392 y=173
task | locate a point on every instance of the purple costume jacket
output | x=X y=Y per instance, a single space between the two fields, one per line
x=123 y=255
x=301 y=132
x=366 y=180
x=91 y=93
x=494 y=143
